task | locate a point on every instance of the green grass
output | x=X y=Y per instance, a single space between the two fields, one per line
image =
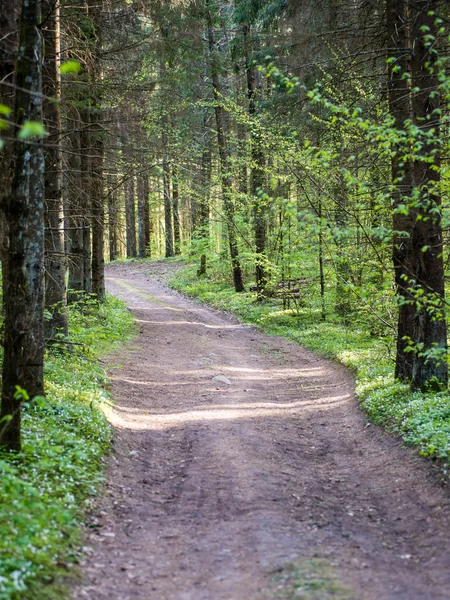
x=310 y=579
x=421 y=419
x=45 y=490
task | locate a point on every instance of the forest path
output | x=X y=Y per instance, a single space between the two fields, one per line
x=214 y=487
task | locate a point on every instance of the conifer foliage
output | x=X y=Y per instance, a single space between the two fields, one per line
x=296 y=150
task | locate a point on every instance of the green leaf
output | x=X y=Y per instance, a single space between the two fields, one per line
x=31 y=129
x=70 y=66
x=5 y=110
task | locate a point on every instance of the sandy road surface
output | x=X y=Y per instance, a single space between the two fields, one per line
x=216 y=485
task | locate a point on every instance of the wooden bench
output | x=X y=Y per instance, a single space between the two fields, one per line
x=289 y=288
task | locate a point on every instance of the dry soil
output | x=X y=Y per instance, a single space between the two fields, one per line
x=237 y=454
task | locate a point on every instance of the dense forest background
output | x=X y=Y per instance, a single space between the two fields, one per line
x=297 y=149
x=291 y=157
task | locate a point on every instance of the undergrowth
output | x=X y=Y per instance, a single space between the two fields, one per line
x=422 y=419
x=45 y=490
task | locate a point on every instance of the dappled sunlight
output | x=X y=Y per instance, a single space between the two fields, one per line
x=237 y=375
x=279 y=373
x=192 y=323
x=125 y=418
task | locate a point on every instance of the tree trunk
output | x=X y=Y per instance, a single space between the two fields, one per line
x=146 y=211
x=417 y=252
x=257 y=174
x=343 y=303
x=98 y=217
x=143 y=215
x=202 y=224
x=400 y=107
x=96 y=173
x=86 y=197
x=75 y=215
x=176 y=211
x=130 y=217
x=9 y=17
x=112 y=217
x=24 y=287
x=55 y=257
x=166 y=191
x=225 y=167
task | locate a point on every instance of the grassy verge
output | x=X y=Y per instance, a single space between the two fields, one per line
x=45 y=491
x=421 y=419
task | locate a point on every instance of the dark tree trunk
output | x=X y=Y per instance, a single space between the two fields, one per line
x=417 y=250
x=9 y=17
x=24 y=286
x=225 y=167
x=321 y=269
x=98 y=219
x=143 y=215
x=343 y=303
x=96 y=173
x=257 y=174
x=146 y=215
x=176 y=211
x=112 y=218
x=55 y=256
x=168 y=226
x=86 y=196
x=130 y=217
x=75 y=216
x=400 y=106
x=205 y=185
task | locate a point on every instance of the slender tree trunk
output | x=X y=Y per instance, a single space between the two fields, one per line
x=86 y=198
x=143 y=215
x=130 y=217
x=257 y=174
x=146 y=211
x=98 y=218
x=343 y=269
x=55 y=257
x=176 y=211
x=321 y=270
x=166 y=190
x=202 y=223
x=225 y=167
x=24 y=302
x=75 y=217
x=112 y=217
x=96 y=174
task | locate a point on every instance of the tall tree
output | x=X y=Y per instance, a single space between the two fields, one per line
x=418 y=253
x=225 y=167
x=55 y=257
x=257 y=174
x=130 y=216
x=168 y=221
x=176 y=211
x=24 y=208
x=9 y=16
x=97 y=187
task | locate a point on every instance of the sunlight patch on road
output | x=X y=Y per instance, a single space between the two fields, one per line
x=125 y=418
x=176 y=323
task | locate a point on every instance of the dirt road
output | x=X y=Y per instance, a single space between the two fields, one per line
x=237 y=454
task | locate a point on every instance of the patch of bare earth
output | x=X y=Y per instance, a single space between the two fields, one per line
x=237 y=453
